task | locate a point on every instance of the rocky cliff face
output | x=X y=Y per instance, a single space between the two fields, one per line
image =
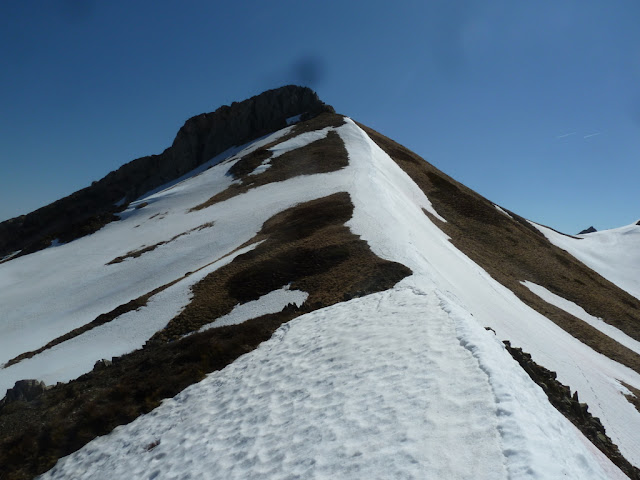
x=201 y=138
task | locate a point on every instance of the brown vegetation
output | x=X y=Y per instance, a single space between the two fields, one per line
x=321 y=156
x=634 y=398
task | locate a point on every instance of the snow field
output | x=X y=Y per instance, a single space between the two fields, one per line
x=579 y=312
x=375 y=388
x=388 y=215
x=385 y=386
x=614 y=254
x=74 y=285
x=128 y=332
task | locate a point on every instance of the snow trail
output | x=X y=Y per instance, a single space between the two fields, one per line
x=378 y=387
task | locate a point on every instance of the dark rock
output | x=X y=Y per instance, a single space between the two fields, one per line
x=200 y=139
x=588 y=230
x=569 y=405
x=102 y=364
x=23 y=391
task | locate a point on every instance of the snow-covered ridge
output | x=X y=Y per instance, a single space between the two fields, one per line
x=404 y=383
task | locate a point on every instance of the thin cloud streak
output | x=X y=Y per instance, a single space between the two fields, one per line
x=592 y=135
x=566 y=135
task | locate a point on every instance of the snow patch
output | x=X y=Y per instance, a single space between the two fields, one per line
x=503 y=211
x=272 y=302
x=128 y=332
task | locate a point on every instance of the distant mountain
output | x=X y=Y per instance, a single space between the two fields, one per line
x=591 y=229
x=302 y=297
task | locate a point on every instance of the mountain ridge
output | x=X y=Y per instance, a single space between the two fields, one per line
x=433 y=238
x=199 y=139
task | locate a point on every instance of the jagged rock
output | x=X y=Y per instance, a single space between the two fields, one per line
x=201 y=138
x=23 y=390
x=591 y=229
x=102 y=364
x=569 y=405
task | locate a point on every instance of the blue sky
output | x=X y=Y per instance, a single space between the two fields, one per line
x=535 y=105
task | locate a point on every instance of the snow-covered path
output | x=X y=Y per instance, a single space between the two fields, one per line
x=375 y=388
x=384 y=386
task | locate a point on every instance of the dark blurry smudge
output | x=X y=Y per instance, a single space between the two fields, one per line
x=309 y=70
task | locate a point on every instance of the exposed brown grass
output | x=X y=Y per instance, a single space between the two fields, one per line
x=308 y=246
x=141 y=251
x=634 y=398
x=512 y=250
x=321 y=156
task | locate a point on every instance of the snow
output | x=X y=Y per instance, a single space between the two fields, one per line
x=614 y=254
x=404 y=383
x=371 y=388
x=262 y=167
x=502 y=211
x=124 y=334
x=579 y=312
x=10 y=256
x=272 y=302
x=74 y=286
x=299 y=141
x=294 y=119
x=294 y=143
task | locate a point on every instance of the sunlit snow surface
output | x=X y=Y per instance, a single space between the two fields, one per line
x=272 y=302
x=579 y=312
x=614 y=254
x=400 y=384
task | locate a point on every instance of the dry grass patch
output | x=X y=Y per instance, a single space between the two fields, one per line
x=307 y=245
x=634 y=398
x=322 y=156
x=511 y=250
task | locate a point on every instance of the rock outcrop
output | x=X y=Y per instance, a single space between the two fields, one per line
x=23 y=391
x=570 y=406
x=201 y=138
x=591 y=229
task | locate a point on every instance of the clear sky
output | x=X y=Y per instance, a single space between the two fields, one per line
x=535 y=105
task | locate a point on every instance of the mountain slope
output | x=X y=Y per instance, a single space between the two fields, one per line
x=320 y=212
x=614 y=253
